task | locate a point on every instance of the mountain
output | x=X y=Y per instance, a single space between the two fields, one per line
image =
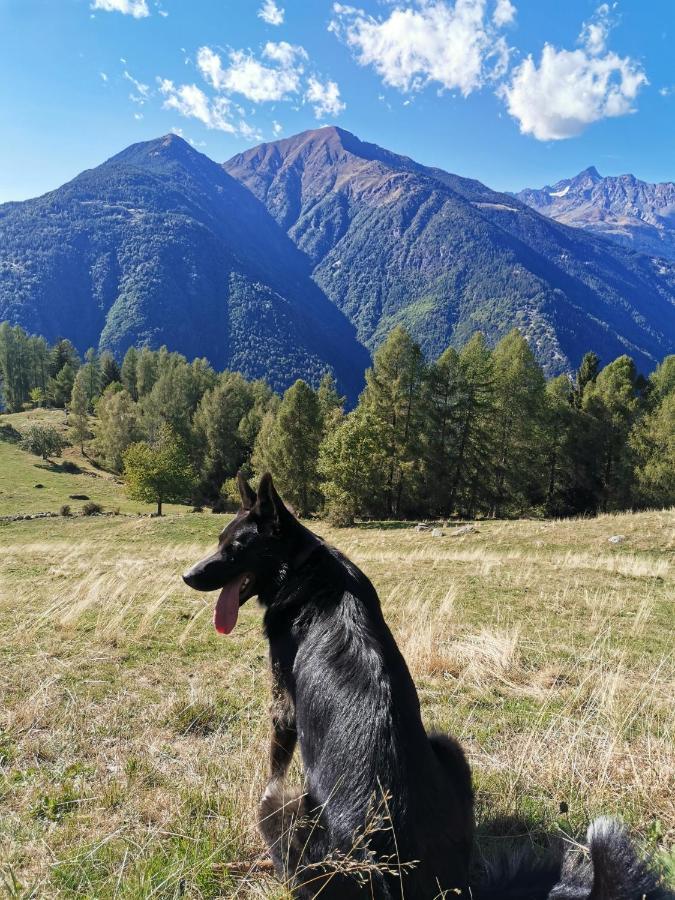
x=390 y=241
x=159 y=245
x=634 y=213
x=296 y=255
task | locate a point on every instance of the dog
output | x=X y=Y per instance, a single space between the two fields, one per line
x=386 y=810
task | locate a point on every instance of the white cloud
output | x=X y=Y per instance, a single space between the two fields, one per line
x=104 y=77
x=143 y=92
x=504 y=14
x=277 y=128
x=571 y=89
x=271 y=13
x=217 y=114
x=136 y=8
x=325 y=98
x=455 y=45
x=138 y=116
x=253 y=79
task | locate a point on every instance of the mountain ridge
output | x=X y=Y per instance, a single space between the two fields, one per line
x=466 y=257
x=159 y=245
x=622 y=208
x=295 y=255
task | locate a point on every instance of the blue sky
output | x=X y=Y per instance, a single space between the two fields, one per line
x=513 y=92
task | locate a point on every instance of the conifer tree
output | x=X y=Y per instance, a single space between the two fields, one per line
x=613 y=402
x=518 y=418
x=470 y=472
x=288 y=447
x=118 y=425
x=351 y=464
x=394 y=399
x=110 y=371
x=79 y=409
x=128 y=372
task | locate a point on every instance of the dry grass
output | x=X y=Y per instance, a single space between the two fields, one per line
x=133 y=738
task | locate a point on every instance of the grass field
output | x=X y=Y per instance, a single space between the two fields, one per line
x=133 y=737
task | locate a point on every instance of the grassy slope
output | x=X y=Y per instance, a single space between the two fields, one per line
x=20 y=472
x=133 y=745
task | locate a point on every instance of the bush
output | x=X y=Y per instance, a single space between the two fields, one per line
x=70 y=467
x=65 y=510
x=43 y=440
x=91 y=509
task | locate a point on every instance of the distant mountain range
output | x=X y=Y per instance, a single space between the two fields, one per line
x=296 y=256
x=622 y=208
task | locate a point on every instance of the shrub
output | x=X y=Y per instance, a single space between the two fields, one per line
x=70 y=467
x=91 y=508
x=65 y=510
x=43 y=440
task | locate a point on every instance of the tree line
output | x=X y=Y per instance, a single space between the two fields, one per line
x=477 y=432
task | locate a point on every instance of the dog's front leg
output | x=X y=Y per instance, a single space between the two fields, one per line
x=284 y=733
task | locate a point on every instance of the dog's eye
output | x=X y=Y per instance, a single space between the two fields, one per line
x=236 y=545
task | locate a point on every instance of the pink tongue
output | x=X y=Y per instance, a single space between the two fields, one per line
x=227 y=606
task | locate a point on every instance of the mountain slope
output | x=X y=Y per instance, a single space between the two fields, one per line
x=631 y=212
x=159 y=245
x=394 y=241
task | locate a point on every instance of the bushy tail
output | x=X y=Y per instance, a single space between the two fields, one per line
x=613 y=871
x=610 y=870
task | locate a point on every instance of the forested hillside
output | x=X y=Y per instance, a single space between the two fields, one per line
x=159 y=245
x=394 y=242
x=478 y=432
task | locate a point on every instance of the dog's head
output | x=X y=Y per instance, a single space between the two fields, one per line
x=255 y=551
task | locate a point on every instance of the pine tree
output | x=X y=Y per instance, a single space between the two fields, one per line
x=586 y=374
x=351 y=464
x=91 y=377
x=220 y=447
x=394 y=398
x=60 y=389
x=519 y=409
x=110 y=371
x=128 y=372
x=79 y=409
x=613 y=402
x=288 y=447
x=160 y=472
x=443 y=398
x=652 y=440
x=118 y=425
x=471 y=462
x=331 y=403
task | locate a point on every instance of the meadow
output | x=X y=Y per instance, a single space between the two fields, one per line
x=133 y=738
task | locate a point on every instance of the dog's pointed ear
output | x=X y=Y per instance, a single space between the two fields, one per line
x=246 y=492
x=270 y=506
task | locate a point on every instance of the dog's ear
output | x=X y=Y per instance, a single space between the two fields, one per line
x=270 y=506
x=246 y=492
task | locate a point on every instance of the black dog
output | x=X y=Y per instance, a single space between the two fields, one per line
x=386 y=810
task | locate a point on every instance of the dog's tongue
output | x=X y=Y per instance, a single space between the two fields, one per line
x=227 y=606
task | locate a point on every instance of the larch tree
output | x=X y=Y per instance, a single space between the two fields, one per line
x=288 y=447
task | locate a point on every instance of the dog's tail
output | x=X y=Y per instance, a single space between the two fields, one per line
x=610 y=870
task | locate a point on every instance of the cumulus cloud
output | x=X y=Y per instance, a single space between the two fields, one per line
x=278 y=72
x=325 y=98
x=218 y=113
x=136 y=8
x=190 y=101
x=570 y=89
x=271 y=13
x=253 y=79
x=504 y=14
x=455 y=45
